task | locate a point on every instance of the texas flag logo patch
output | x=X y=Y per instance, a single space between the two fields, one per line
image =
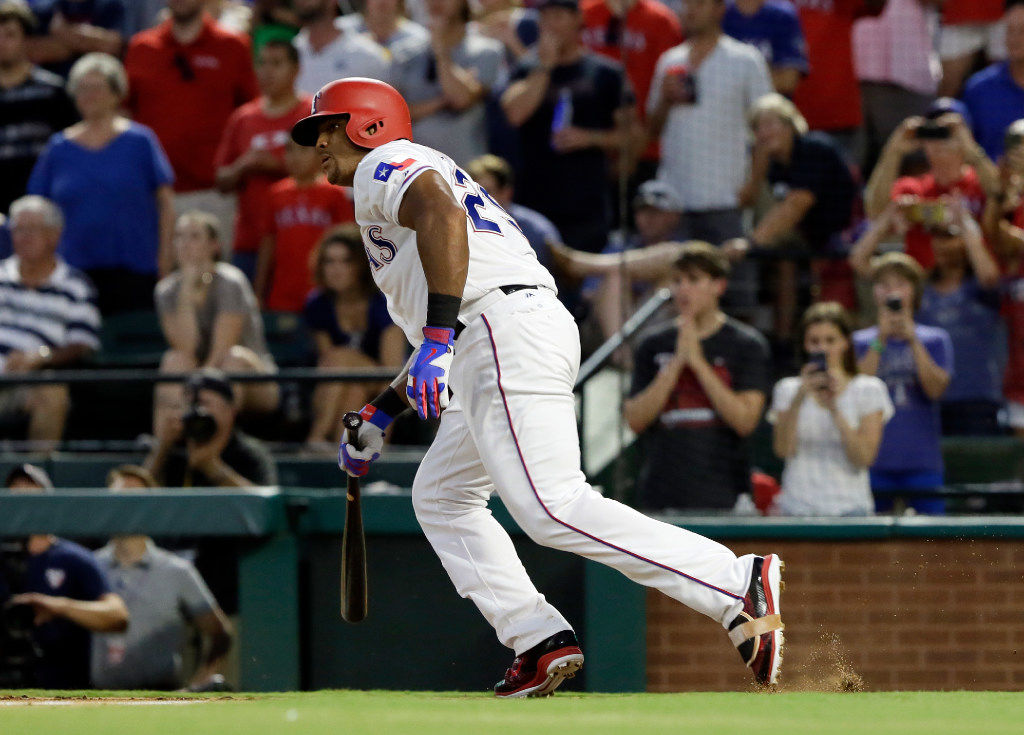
x=383 y=172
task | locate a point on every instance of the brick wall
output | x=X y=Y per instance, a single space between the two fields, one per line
x=875 y=615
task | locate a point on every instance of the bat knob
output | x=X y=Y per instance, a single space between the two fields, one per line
x=352 y=421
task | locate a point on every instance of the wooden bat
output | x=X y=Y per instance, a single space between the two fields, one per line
x=353 y=543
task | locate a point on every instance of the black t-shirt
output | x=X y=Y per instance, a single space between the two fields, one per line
x=244 y=454
x=817 y=165
x=567 y=185
x=691 y=457
x=29 y=114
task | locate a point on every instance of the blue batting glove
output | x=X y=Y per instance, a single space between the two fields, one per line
x=427 y=387
x=356 y=453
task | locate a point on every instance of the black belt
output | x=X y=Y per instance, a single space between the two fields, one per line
x=507 y=290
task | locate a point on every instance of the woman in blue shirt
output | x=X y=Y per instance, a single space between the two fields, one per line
x=112 y=181
x=350 y=323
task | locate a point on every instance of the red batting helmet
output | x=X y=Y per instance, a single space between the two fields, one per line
x=377 y=114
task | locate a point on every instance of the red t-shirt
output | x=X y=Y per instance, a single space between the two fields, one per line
x=650 y=30
x=248 y=128
x=186 y=93
x=918 y=243
x=297 y=218
x=829 y=95
x=959 y=12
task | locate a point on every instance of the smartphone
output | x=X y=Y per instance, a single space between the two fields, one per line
x=931 y=130
x=689 y=83
x=819 y=360
x=894 y=303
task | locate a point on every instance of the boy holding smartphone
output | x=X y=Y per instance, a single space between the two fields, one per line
x=916 y=363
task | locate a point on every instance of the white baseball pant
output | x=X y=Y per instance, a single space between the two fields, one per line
x=511 y=428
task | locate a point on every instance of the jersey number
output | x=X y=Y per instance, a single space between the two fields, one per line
x=473 y=203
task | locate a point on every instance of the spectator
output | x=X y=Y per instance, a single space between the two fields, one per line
x=250 y=158
x=329 y=51
x=971 y=30
x=166 y=598
x=186 y=77
x=496 y=176
x=828 y=96
x=774 y=28
x=384 y=22
x=73 y=28
x=961 y=297
x=916 y=363
x=33 y=104
x=349 y=320
x=298 y=211
x=191 y=451
x=635 y=33
x=957 y=166
x=68 y=593
x=445 y=80
x=698 y=390
x=828 y=422
x=995 y=96
x=656 y=214
x=48 y=317
x=573 y=109
x=210 y=318
x=698 y=103
x=898 y=69
x=506 y=21
x=113 y=182
x=813 y=192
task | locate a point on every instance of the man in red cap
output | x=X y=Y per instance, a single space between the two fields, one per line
x=464 y=284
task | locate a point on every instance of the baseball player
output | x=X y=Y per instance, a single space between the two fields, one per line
x=482 y=314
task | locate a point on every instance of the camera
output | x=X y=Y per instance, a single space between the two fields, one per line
x=19 y=651
x=931 y=130
x=198 y=424
x=894 y=303
x=819 y=360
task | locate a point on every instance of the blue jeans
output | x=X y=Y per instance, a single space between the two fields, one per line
x=886 y=485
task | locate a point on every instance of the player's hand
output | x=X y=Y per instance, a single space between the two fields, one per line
x=369 y=436
x=427 y=387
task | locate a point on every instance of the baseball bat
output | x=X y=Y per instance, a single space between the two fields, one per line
x=353 y=543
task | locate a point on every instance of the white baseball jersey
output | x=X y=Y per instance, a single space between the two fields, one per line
x=499 y=254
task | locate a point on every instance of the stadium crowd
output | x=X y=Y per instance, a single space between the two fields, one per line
x=833 y=190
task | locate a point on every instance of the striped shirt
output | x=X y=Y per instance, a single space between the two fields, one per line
x=59 y=313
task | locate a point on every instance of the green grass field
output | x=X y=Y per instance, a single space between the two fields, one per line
x=425 y=713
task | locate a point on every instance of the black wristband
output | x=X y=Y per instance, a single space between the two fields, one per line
x=443 y=310
x=390 y=402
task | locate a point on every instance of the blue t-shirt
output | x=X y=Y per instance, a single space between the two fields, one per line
x=64 y=570
x=320 y=316
x=108 y=197
x=910 y=441
x=994 y=101
x=774 y=29
x=538 y=229
x=970 y=315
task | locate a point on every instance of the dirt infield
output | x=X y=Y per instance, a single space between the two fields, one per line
x=28 y=701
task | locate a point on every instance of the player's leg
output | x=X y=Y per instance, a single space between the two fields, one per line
x=450 y=495
x=519 y=364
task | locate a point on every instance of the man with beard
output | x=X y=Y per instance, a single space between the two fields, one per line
x=186 y=76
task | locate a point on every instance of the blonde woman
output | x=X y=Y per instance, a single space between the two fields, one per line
x=112 y=180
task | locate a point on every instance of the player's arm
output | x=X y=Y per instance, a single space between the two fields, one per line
x=430 y=208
